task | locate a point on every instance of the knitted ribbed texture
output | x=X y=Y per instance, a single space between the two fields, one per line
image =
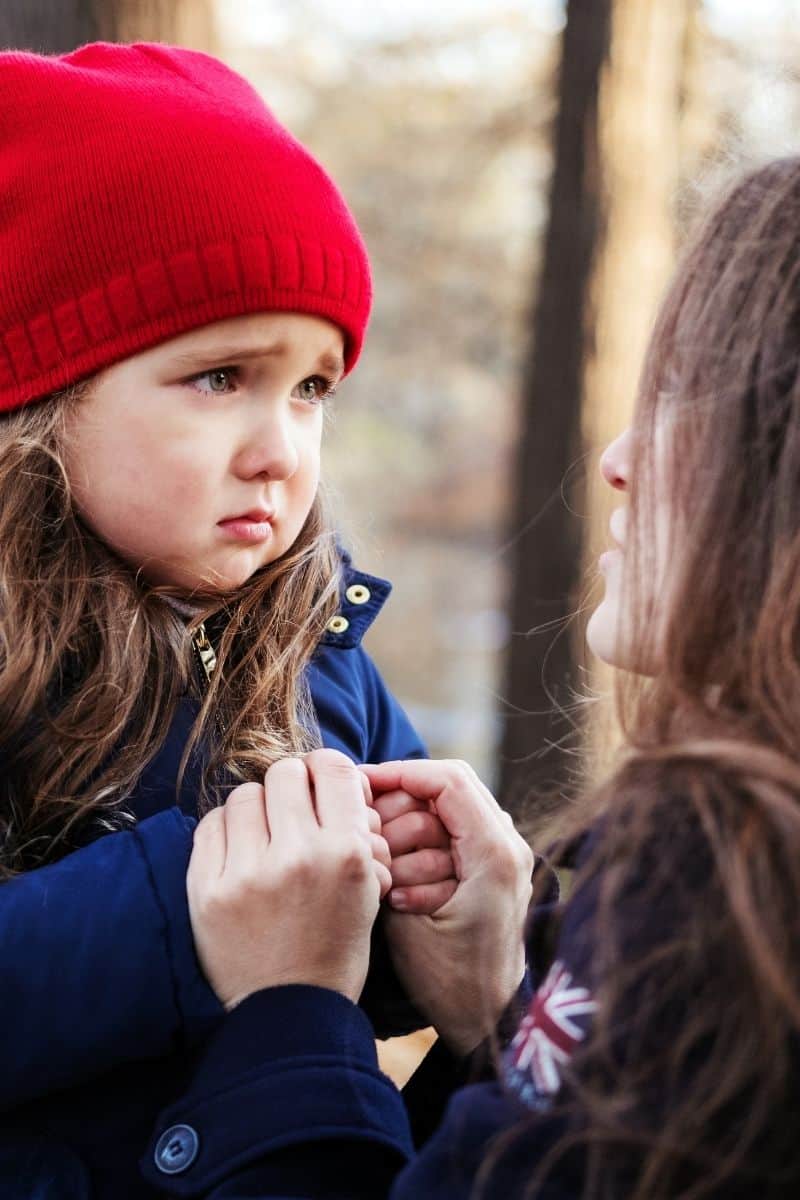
x=146 y=190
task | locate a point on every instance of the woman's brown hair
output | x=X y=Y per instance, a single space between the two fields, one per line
x=93 y=661
x=688 y=1084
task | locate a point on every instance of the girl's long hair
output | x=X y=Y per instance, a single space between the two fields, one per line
x=688 y=1084
x=93 y=661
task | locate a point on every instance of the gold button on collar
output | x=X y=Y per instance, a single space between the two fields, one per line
x=358 y=594
x=338 y=624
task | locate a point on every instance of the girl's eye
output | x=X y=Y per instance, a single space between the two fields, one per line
x=316 y=389
x=217 y=382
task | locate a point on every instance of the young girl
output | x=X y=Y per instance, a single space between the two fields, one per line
x=660 y=1057
x=181 y=290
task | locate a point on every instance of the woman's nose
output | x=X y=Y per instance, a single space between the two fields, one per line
x=615 y=463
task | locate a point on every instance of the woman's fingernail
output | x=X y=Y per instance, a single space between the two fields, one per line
x=398 y=899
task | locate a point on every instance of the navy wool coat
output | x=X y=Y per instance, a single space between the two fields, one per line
x=286 y=1098
x=103 y=1006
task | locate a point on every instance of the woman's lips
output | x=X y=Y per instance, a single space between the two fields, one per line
x=609 y=557
x=249 y=527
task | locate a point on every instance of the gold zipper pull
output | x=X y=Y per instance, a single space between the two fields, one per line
x=205 y=651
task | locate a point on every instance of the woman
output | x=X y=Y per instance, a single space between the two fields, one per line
x=658 y=1058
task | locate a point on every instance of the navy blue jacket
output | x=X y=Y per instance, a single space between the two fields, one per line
x=102 y=1002
x=287 y=1100
x=308 y=1114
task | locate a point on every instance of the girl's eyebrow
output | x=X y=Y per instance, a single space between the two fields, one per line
x=331 y=363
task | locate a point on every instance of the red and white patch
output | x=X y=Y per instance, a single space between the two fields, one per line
x=549 y=1033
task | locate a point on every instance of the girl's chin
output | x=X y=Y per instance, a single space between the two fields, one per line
x=229 y=573
x=195 y=580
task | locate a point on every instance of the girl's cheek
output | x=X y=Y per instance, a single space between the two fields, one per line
x=189 y=479
x=188 y=460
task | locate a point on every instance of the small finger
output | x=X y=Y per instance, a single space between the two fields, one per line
x=415 y=831
x=394 y=804
x=422 y=866
x=424 y=898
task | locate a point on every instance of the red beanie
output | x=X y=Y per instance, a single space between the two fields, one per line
x=146 y=190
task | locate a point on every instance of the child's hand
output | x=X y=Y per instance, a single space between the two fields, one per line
x=423 y=876
x=284 y=881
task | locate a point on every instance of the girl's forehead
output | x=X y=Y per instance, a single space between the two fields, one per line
x=277 y=336
x=268 y=328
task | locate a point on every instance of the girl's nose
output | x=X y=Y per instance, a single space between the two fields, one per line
x=270 y=451
x=615 y=464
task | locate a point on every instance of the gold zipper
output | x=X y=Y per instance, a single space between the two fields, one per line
x=205 y=651
x=208 y=661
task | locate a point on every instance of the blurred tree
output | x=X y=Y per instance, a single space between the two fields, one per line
x=47 y=26
x=57 y=26
x=434 y=143
x=608 y=253
x=546 y=531
x=644 y=99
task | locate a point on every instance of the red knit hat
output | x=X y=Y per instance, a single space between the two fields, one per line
x=146 y=190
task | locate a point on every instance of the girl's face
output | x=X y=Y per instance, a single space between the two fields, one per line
x=198 y=460
x=610 y=631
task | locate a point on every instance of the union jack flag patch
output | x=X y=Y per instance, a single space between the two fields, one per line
x=547 y=1037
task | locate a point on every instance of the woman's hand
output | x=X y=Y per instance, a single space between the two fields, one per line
x=285 y=880
x=462 y=964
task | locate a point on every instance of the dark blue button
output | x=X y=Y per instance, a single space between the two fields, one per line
x=176 y=1149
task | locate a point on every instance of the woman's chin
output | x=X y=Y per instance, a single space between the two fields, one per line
x=602 y=635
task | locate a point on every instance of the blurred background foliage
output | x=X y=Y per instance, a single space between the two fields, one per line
x=523 y=172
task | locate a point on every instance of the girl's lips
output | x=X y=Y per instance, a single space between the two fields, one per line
x=247 y=528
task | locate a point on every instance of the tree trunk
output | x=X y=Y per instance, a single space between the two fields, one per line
x=608 y=254
x=47 y=26
x=642 y=107
x=57 y=26
x=546 y=531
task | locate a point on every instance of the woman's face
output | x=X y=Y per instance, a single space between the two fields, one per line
x=198 y=460
x=610 y=631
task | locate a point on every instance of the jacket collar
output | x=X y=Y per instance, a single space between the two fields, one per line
x=361 y=598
